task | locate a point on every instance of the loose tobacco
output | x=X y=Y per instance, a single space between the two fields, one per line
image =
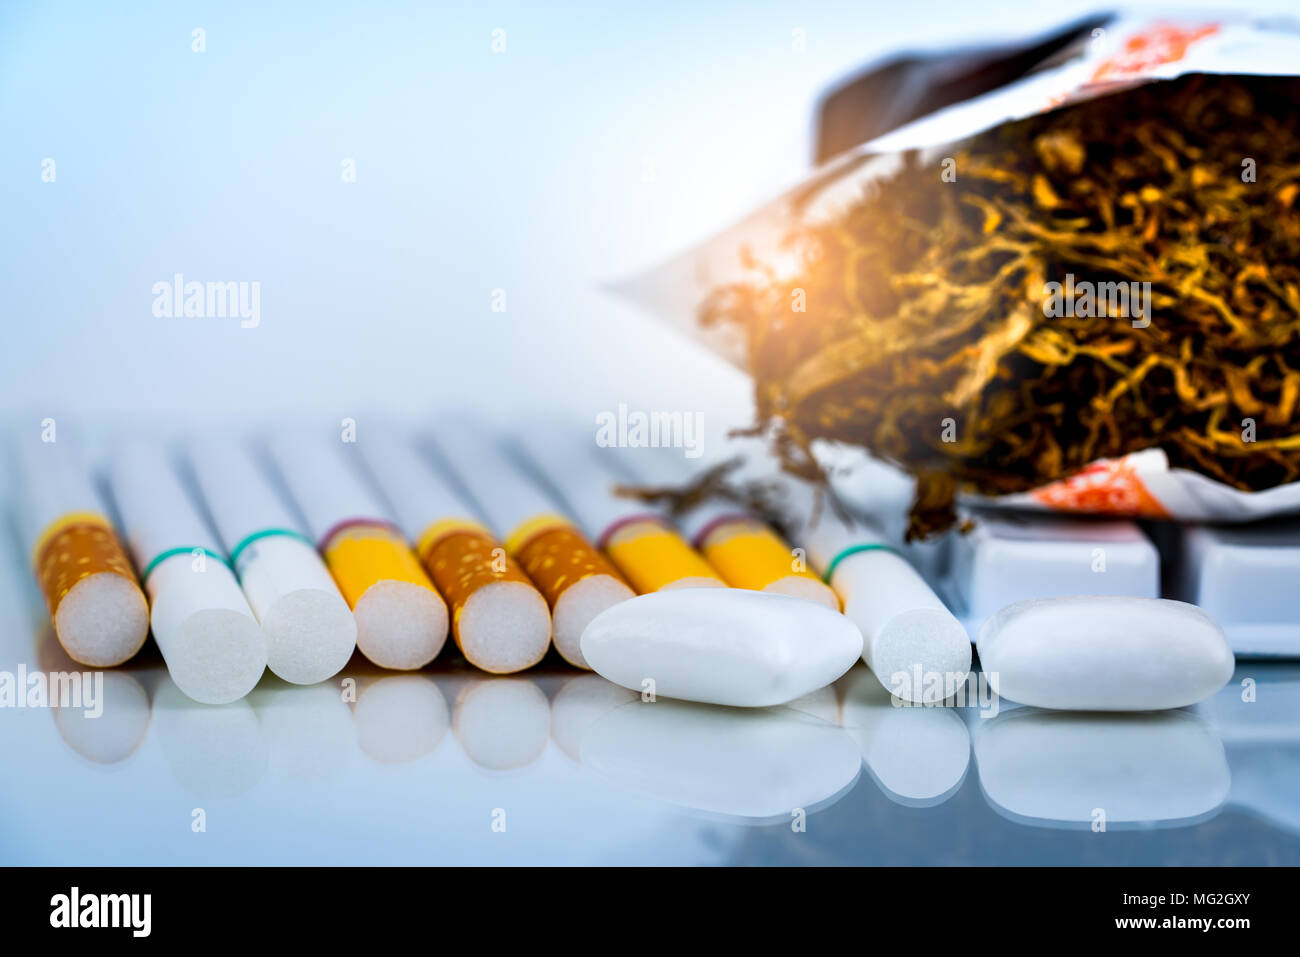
x=926 y=301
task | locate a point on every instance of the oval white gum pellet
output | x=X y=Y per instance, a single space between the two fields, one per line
x=1104 y=653
x=724 y=646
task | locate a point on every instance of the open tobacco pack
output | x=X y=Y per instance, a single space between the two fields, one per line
x=1080 y=291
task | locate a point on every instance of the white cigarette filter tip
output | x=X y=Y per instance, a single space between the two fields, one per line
x=505 y=627
x=310 y=631
x=911 y=642
x=727 y=646
x=214 y=648
x=400 y=625
x=575 y=609
x=103 y=620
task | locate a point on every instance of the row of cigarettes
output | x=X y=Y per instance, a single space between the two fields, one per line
x=291 y=552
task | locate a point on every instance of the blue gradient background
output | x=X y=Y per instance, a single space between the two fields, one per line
x=521 y=171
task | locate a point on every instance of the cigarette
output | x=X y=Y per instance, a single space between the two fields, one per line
x=744 y=550
x=401 y=619
x=310 y=631
x=905 y=626
x=499 y=620
x=213 y=646
x=100 y=614
x=638 y=538
x=576 y=580
x=911 y=641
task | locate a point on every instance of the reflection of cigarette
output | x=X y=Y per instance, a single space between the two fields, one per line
x=574 y=577
x=400 y=718
x=212 y=752
x=113 y=727
x=747 y=552
x=891 y=738
x=213 y=646
x=502 y=723
x=500 y=621
x=100 y=614
x=310 y=631
x=649 y=552
x=401 y=620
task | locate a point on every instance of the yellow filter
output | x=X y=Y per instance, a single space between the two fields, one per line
x=652 y=556
x=749 y=554
x=361 y=555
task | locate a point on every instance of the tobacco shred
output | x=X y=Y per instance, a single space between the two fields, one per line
x=925 y=301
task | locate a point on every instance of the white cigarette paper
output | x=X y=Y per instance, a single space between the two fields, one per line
x=532 y=523
x=583 y=479
x=309 y=628
x=401 y=620
x=911 y=641
x=502 y=623
x=213 y=646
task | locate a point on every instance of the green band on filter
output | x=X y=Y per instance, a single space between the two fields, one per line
x=853 y=550
x=267 y=533
x=182 y=550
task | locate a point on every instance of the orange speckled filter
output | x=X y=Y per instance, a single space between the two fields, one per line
x=361 y=553
x=462 y=557
x=748 y=554
x=555 y=555
x=652 y=556
x=73 y=548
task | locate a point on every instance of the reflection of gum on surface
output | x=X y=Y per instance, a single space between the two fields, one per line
x=651 y=556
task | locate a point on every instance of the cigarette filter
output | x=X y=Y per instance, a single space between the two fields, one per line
x=639 y=540
x=310 y=631
x=499 y=620
x=744 y=550
x=576 y=580
x=213 y=646
x=907 y=630
x=100 y=614
x=401 y=619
